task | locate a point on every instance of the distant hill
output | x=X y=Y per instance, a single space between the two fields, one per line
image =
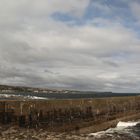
x=7 y=88
x=58 y=94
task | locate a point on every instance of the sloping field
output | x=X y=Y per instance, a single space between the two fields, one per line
x=62 y=115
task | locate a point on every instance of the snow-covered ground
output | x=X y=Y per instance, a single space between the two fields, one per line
x=123 y=131
x=13 y=96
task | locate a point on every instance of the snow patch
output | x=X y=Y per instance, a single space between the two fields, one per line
x=127 y=124
x=21 y=96
x=121 y=128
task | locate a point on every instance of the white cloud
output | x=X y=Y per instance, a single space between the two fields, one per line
x=108 y=76
x=36 y=50
x=135 y=7
x=42 y=8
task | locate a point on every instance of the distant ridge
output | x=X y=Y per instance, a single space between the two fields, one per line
x=4 y=89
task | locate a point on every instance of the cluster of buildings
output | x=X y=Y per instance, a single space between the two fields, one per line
x=12 y=89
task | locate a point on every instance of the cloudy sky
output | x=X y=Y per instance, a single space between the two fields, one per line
x=71 y=44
